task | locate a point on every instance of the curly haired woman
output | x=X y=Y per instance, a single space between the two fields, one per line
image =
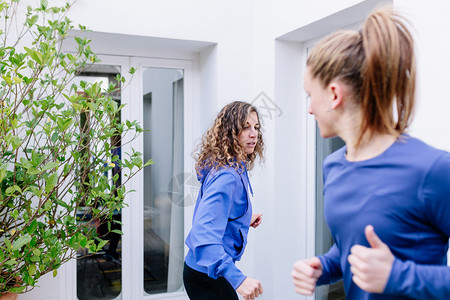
x=223 y=212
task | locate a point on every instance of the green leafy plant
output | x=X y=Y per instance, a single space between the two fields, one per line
x=57 y=142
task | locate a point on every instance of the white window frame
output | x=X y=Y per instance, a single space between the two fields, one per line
x=136 y=273
x=132 y=214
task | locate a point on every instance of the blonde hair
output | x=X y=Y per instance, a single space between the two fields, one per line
x=219 y=146
x=378 y=63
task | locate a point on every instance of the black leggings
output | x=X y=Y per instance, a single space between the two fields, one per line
x=201 y=287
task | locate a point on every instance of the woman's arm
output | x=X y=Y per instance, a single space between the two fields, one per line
x=308 y=273
x=208 y=229
x=427 y=281
x=332 y=271
x=408 y=278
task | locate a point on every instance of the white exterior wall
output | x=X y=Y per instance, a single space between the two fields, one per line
x=245 y=58
x=433 y=45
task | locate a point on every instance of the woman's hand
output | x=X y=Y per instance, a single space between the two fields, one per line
x=256 y=220
x=250 y=288
x=305 y=274
x=371 y=266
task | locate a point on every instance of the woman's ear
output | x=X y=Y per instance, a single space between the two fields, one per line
x=337 y=93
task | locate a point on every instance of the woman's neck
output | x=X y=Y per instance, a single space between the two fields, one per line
x=369 y=147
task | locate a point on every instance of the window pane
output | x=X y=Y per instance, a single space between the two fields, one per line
x=324 y=240
x=163 y=216
x=99 y=276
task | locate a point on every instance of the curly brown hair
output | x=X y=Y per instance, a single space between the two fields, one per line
x=219 y=146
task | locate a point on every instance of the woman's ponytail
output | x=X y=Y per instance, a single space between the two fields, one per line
x=389 y=73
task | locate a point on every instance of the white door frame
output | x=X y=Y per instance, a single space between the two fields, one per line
x=132 y=214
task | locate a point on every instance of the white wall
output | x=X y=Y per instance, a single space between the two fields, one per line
x=433 y=47
x=244 y=59
x=227 y=23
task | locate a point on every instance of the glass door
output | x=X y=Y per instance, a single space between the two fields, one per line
x=146 y=262
x=163 y=217
x=324 y=240
x=99 y=275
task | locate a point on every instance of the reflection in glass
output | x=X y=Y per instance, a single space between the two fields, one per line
x=99 y=276
x=163 y=91
x=324 y=240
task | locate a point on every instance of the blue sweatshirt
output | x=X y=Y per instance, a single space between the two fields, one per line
x=405 y=194
x=220 y=225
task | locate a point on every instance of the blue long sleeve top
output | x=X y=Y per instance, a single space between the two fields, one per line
x=220 y=225
x=405 y=194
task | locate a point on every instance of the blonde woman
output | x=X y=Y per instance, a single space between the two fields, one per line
x=387 y=194
x=223 y=211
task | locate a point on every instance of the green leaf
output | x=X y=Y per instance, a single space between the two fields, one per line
x=35 y=159
x=62 y=203
x=22 y=240
x=50 y=165
x=54 y=252
x=48 y=205
x=17 y=80
x=63 y=124
x=55 y=137
x=30 y=64
x=66 y=169
x=33 y=241
x=100 y=245
x=35 y=55
x=17 y=290
x=51 y=181
x=32 y=227
x=73 y=242
x=33 y=171
x=11 y=262
x=32 y=269
x=36 y=191
x=49 y=187
x=83 y=242
x=44 y=4
x=32 y=20
x=37 y=252
x=2 y=174
x=40 y=57
x=18 y=189
x=149 y=162
x=15 y=214
x=16 y=141
x=11 y=190
x=7 y=79
x=8 y=245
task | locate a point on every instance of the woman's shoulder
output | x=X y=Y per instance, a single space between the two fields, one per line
x=336 y=157
x=418 y=147
x=221 y=178
x=222 y=173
